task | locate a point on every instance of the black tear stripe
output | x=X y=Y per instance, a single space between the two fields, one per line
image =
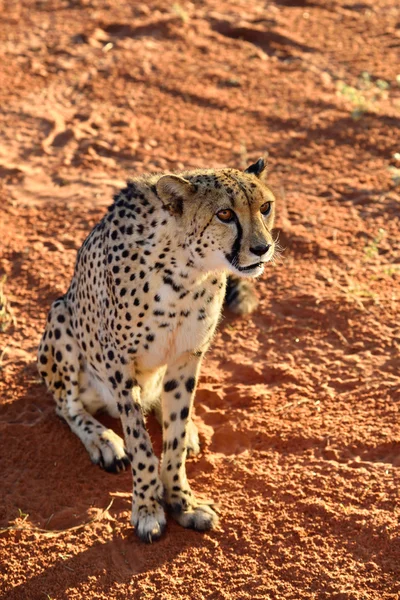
x=234 y=254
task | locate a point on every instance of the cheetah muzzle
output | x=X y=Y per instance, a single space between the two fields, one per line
x=131 y=331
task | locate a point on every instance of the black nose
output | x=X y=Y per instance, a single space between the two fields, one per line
x=260 y=249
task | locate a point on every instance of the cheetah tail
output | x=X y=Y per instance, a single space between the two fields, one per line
x=240 y=296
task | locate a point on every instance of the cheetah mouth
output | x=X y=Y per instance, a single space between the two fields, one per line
x=251 y=267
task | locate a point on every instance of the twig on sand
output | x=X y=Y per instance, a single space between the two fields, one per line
x=289 y=404
x=340 y=335
x=56 y=532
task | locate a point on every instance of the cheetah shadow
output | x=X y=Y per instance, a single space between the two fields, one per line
x=124 y=559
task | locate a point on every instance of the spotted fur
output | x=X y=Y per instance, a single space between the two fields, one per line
x=130 y=333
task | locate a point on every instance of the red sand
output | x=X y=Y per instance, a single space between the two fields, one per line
x=298 y=404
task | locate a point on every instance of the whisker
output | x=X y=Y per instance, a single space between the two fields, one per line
x=276 y=240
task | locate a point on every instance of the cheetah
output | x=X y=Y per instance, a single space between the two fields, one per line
x=130 y=333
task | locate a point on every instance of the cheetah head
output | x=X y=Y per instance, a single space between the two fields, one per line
x=225 y=217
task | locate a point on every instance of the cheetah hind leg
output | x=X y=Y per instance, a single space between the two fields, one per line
x=193 y=443
x=61 y=368
x=106 y=449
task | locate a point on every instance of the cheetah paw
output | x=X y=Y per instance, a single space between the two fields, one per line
x=149 y=525
x=196 y=515
x=108 y=451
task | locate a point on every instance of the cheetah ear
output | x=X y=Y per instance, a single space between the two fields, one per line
x=173 y=191
x=259 y=169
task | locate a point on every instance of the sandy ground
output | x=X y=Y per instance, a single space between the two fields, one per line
x=298 y=405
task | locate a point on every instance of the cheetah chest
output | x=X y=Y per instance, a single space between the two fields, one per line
x=179 y=326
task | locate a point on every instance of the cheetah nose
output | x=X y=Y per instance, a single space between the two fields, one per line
x=260 y=249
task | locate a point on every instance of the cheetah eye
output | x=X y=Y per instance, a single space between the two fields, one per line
x=265 y=209
x=226 y=215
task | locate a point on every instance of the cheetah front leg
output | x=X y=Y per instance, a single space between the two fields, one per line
x=177 y=400
x=148 y=515
x=192 y=437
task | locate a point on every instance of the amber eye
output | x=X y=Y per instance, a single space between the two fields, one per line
x=265 y=209
x=226 y=215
